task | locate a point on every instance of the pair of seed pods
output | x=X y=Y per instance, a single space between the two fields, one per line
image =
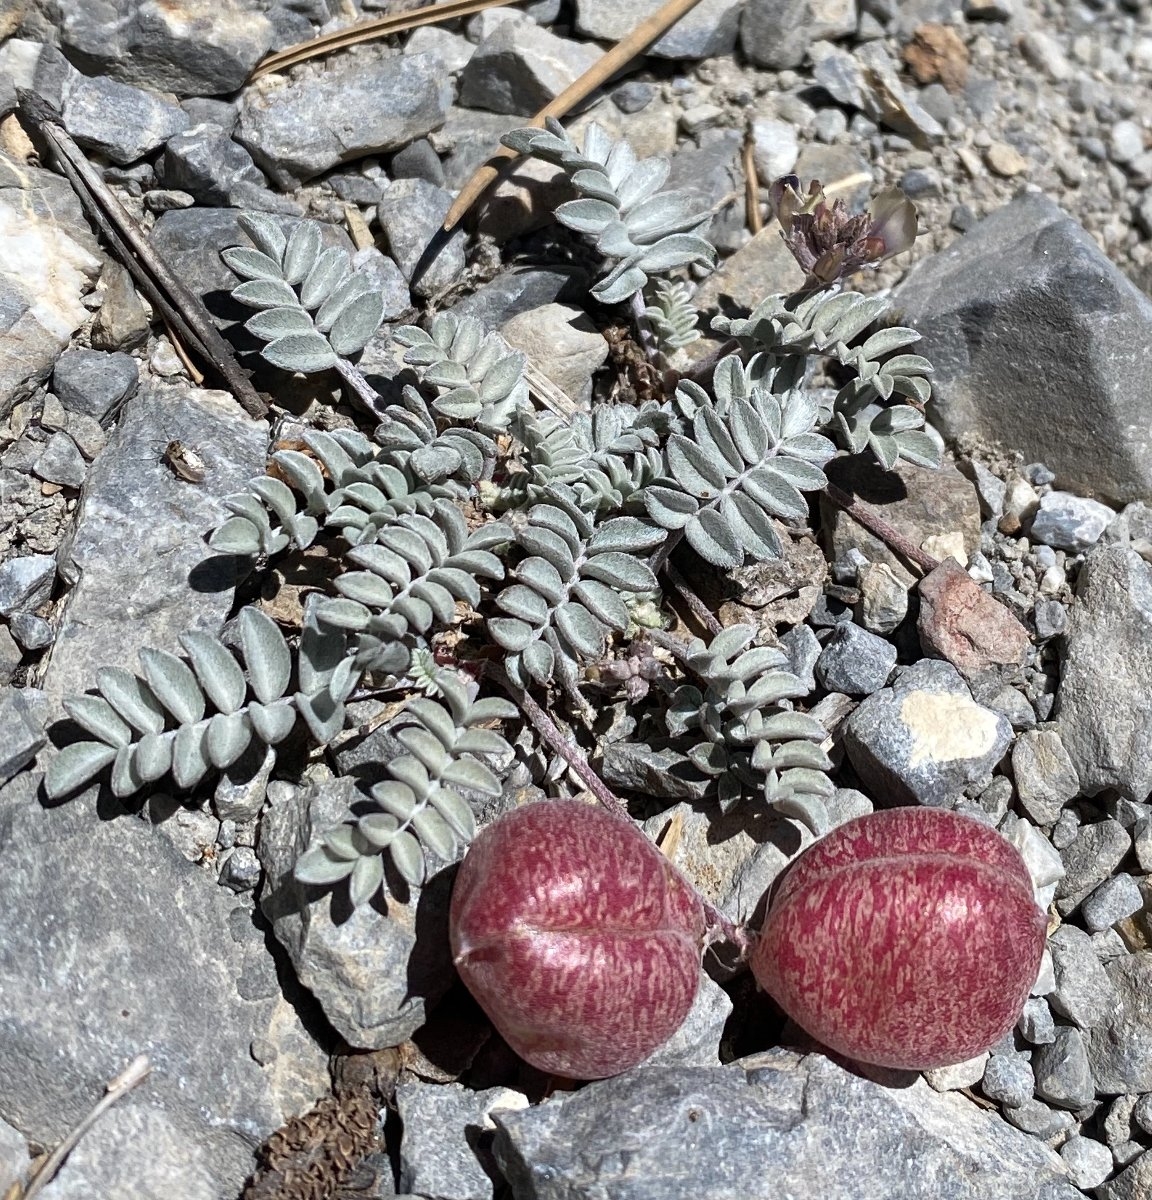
x=907 y=938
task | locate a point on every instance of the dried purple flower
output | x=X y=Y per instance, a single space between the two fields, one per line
x=827 y=241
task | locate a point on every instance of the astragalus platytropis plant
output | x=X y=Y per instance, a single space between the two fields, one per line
x=485 y=543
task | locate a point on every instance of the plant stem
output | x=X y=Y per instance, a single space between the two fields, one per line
x=644 y=334
x=362 y=391
x=875 y=523
x=570 y=753
x=699 y=609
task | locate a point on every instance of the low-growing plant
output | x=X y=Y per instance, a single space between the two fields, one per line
x=479 y=539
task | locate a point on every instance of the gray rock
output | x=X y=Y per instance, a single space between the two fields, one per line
x=1089 y=1162
x=1045 y=777
x=32 y=632
x=1037 y=287
x=191 y=47
x=50 y=262
x=707 y=31
x=708 y=173
x=417 y=161
x=803 y=649
x=1015 y=706
x=453 y=49
x=883 y=598
x=22 y=715
x=775 y=148
x=777 y=33
x=369 y=106
x=241 y=789
x=1036 y=1025
x=1095 y=852
x=563 y=343
x=1083 y=993
x=697 y=1042
x=26 y=582
x=14 y=1157
x=665 y=774
x=411 y=214
x=1104 y=713
x=121 y=322
x=121 y=122
x=519 y=68
x=443 y=1126
x=519 y=291
x=10 y=656
x=767 y=1130
x=1133 y=1183
x=1069 y=522
x=923 y=740
x=958 y=1075
x=1008 y=1079
x=1142 y=1113
x=1120 y=1049
x=240 y=870
x=855 y=661
x=1051 y=619
x=147 y=955
x=1115 y=899
x=206 y=163
x=1142 y=843
x=140 y=572
x=1118 y=1124
x=1063 y=1076
x=61 y=462
x=371 y=974
x=94 y=383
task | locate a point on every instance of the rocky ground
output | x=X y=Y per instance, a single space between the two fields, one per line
x=171 y=930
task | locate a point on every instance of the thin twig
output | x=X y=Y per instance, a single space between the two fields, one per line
x=699 y=609
x=367 y=31
x=550 y=732
x=751 y=185
x=133 y=1074
x=362 y=391
x=619 y=56
x=183 y=311
x=875 y=523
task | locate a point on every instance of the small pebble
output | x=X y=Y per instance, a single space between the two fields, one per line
x=240 y=871
x=1005 y=160
x=1036 y=1024
x=1008 y=1080
x=1089 y=1163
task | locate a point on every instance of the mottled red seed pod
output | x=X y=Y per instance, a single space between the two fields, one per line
x=579 y=939
x=907 y=938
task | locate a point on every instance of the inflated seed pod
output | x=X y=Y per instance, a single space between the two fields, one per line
x=579 y=939
x=906 y=938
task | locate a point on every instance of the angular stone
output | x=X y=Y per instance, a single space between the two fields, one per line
x=759 y=268
x=94 y=383
x=441 y=1154
x=1116 y=898
x=1008 y=1080
x=370 y=973
x=147 y=955
x=777 y=33
x=962 y=623
x=707 y=31
x=1069 y=522
x=26 y=582
x=1120 y=1049
x=883 y=598
x=923 y=740
x=14 y=1157
x=563 y=343
x=1063 y=1076
x=919 y=503
x=855 y=661
x=1045 y=777
x=959 y=1075
x=1036 y=1025
x=519 y=68
x=1061 y=330
x=206 y=163
x=369 y=106
x=191 y=47
x=140 y=572
x=1095 y=852
x=121 y=122
x=665 y=774
x=61 y=462
x=762 y=1129
x=1104 y=706
x=411 y=213
x=1133 y=1183
x=1083 y=993
x=1089 y=1162
x=121 y=322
